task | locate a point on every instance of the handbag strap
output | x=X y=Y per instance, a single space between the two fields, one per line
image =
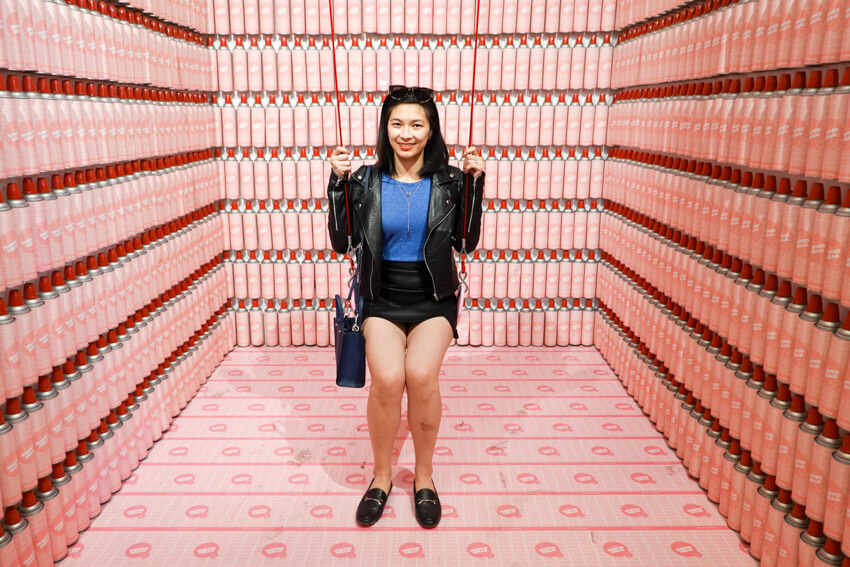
x=354 y=298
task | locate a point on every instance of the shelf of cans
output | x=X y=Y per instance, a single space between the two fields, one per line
x=800 y=234
x=485 y=322
x=425 y=17
x=506 y=224
x=44 y=517
x=305 y=127
x=56 y=123
x=793 y=123
x=795 y=335
x=44 y=322
x=630 y=12
x=314 y=274
x=55 y=220
x=711 y=38
x=103 y=41
x=516 y=174
x=779 y=471
x=501 y=63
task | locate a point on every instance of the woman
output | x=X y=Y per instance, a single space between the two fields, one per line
x=407 y=211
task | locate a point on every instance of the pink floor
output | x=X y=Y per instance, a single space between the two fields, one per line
x=543 y=459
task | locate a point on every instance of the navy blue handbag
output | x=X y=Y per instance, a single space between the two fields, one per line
x=350 y=344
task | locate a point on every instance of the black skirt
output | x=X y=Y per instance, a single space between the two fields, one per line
x=407 y=296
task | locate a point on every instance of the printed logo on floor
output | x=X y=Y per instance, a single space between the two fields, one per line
x=585 y=478
x=138 y=511
x=207 y=550
x=528 y=478
x=486 y=406
x=545 y=388
x=299 y=478
x=611 y=427
x=502 y=388
x=231 y=451
x=241 y=479
x=341 y=550
x=470 y=478
x=199 y=511
x=274 y=550
x=562 y=427
x=571 y=511
x=186 y=478
x=389 y=512
x=578 y=406
x=411 y=550
x=356 y=478
x=623 y=406
x=633 y=511
x=260 y=511
x=588 y=388
x=494 y=451
x=324 y=511
x=655 y=451
x=548 y=549
x=141 y=550
x=508 y=511
x=76 y=550
x=696 y=510
x=219 y=428
x=602 y=451
x=642 y=478
x=179 y=451
x=513 y=428
x=616 y=549
x=443 y=451
x=479 y=550
x=685 y=549
x=337 y=452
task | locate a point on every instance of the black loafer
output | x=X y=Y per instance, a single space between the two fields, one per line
x=372 y=505
x=428 y=508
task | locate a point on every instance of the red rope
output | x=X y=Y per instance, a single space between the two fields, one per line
x=339 y=125
x=469 y=143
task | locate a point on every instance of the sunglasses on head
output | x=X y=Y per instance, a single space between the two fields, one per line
x=419 y=94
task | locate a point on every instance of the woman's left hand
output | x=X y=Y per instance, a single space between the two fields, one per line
x=473 y=162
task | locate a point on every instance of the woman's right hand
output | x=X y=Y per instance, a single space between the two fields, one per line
x=340 y=161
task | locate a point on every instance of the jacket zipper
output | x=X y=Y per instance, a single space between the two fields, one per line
x=469 y=226
x=433 y=281
x=333 y=204
x=365 y=241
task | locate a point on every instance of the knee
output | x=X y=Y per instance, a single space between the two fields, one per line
x=387 y=385
x=421 y=380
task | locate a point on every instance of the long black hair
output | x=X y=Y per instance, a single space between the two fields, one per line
x=435 y=155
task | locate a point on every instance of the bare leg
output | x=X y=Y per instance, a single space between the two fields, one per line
x=426 y=346
x=385 y=345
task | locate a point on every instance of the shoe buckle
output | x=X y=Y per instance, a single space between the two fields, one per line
x=421 y=500
x=378 y=500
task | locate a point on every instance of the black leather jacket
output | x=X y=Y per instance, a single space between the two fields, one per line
x=446 y=227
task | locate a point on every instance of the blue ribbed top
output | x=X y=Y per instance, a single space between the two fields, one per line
x=399 y=245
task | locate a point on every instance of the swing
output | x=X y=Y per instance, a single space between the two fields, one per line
x=463 y=277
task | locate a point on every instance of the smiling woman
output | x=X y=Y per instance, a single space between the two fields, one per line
x=409 y=211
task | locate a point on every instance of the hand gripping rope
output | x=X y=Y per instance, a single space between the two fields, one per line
x=462 y=287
